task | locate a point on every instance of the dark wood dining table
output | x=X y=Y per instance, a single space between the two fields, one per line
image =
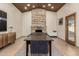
x=39 y=36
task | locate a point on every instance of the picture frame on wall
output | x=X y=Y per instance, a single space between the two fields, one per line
x=61 y=21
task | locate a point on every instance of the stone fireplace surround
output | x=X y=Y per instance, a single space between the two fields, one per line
x=38 y=20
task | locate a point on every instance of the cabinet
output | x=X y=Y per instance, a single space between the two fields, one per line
x=11 y=37
x=7 y=38
x=0 y=41
x=53 y=34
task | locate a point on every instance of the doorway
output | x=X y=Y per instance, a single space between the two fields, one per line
x=71 y=29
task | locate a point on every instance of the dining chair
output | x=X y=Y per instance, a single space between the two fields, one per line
x=39 y=47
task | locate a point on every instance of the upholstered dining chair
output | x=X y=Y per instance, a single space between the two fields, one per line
x=39 y=47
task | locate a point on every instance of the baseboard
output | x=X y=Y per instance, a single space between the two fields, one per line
x=20 y=37
x=53 y=36
x=60 y=38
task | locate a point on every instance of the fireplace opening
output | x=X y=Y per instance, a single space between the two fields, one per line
x=38 y=30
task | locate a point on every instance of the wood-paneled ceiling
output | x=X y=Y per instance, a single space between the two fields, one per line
x=24 y=7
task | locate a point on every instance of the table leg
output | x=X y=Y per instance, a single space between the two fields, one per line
x=50 y=52
x=26 y=48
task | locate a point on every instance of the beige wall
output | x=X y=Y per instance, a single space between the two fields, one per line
x=26 y=30
x=63 y=12
x=14 y=17
x=51 y=21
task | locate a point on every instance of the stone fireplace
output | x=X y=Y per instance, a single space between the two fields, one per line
x=38 y=20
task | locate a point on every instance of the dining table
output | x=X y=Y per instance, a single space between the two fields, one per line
x=37 y=36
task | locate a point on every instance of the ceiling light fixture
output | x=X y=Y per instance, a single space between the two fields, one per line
x=33 y=6
x=28 y=5
x=52 y=7
x=25 y=8
x=44 y=6
x=49 y=4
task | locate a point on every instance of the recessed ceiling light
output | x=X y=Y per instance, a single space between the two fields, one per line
x=52 y=7
x=25 y=8
x=33 y=6
x=49 y=4
x=44 y=6
x=28 y=5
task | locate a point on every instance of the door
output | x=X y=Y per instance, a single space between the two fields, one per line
x=71 y=29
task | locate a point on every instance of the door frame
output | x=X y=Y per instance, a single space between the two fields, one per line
x=66 y=29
